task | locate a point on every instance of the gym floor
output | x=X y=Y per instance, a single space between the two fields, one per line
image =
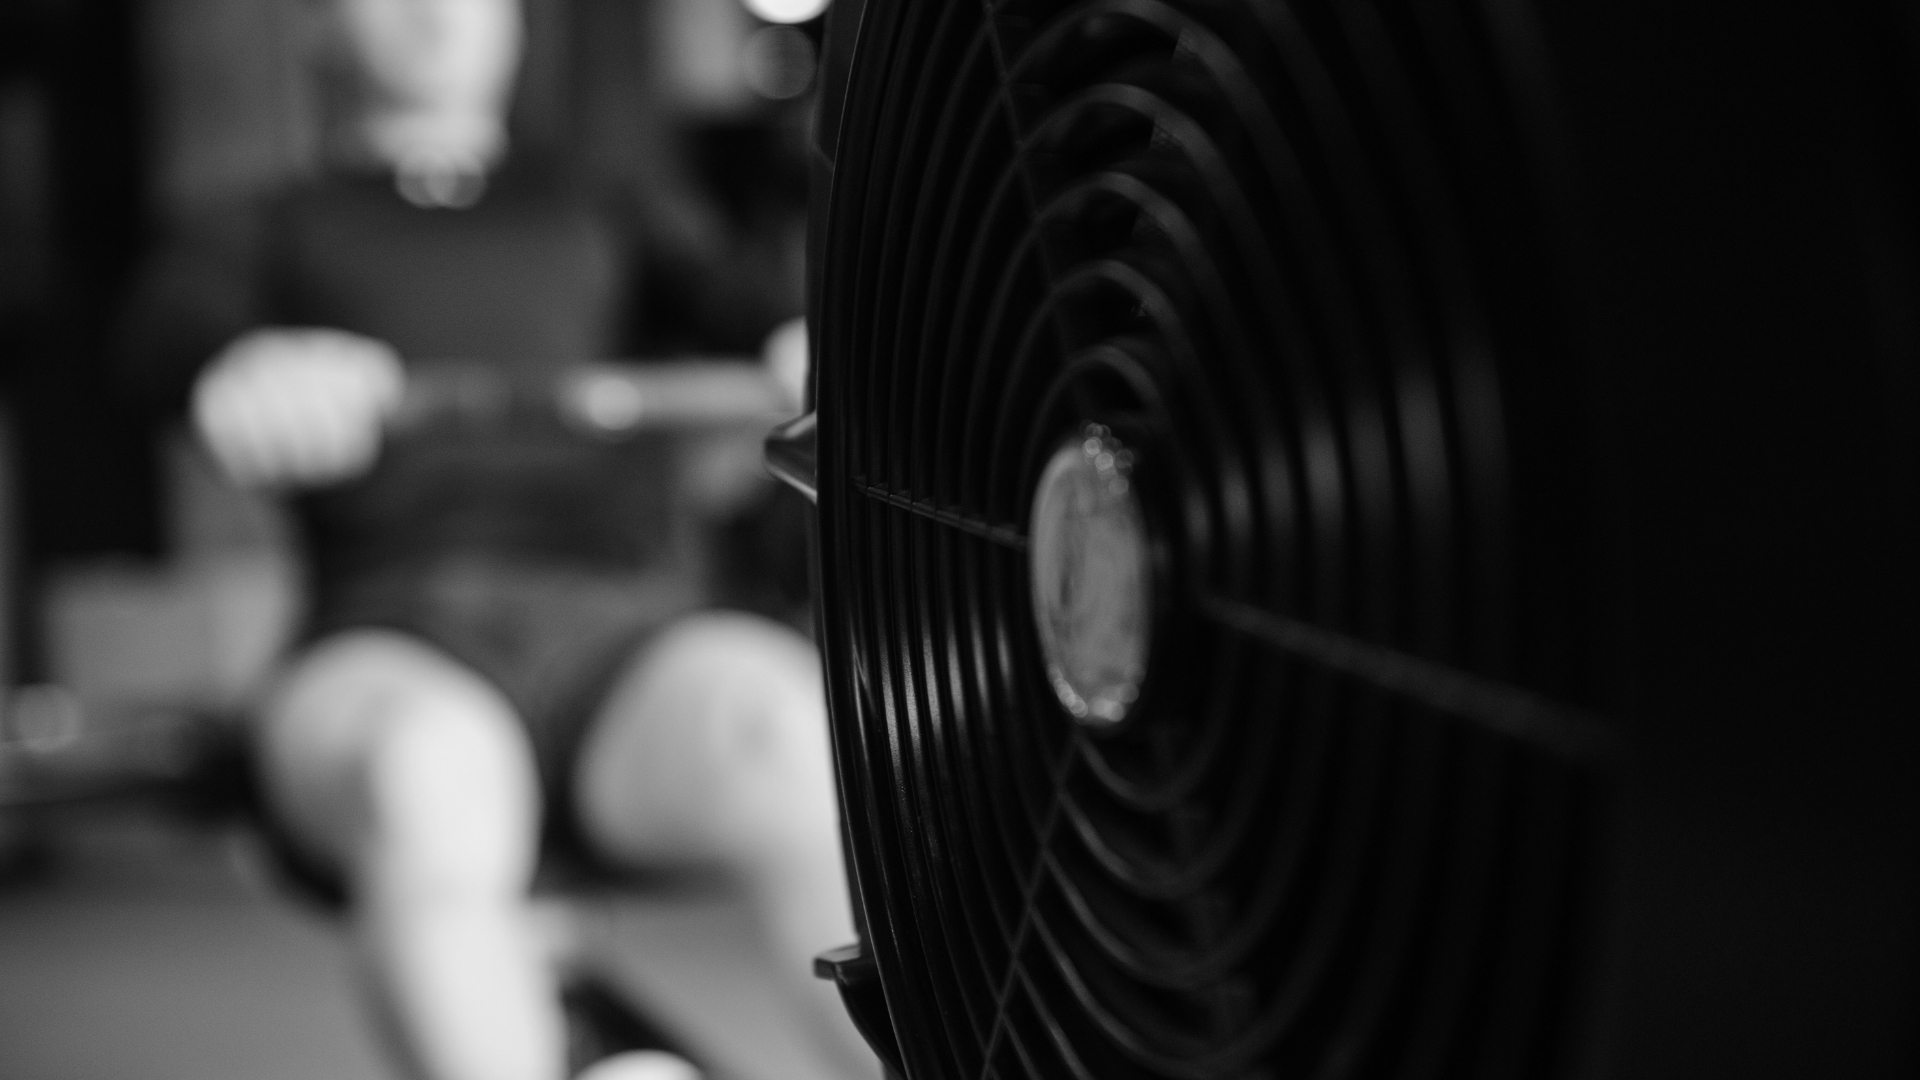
x=147 y=950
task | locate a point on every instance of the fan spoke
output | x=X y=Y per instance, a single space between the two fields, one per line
x=1506 y=710
x=1029 y=888
x=994 y=532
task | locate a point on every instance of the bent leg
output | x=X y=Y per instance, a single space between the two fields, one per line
x=713 y=746
x=410 y=772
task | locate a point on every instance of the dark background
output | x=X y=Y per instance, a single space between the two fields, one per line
x=74 y=228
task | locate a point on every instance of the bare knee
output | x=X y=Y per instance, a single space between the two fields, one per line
x=714 y=745
x=764 y=717
x=405 y=768
x=451 y=805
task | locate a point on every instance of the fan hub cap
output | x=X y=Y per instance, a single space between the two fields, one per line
x=1092 y=577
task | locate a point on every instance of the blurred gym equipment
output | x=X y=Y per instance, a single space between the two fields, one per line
x=52 y=753
x=671 y=964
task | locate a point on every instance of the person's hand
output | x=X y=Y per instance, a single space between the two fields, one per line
x=296 y=407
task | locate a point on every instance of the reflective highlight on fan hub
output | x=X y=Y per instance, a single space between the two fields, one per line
x=1092 y=577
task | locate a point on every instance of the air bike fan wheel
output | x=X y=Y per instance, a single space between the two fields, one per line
x=1172 y=549
x=1210 y=574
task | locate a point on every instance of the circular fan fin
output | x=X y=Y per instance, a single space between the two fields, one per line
x=1283 y=254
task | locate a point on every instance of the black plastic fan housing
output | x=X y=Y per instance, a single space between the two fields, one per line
x=1368 y=539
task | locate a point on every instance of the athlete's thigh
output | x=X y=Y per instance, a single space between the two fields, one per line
x=713 y=739
x=374 y=734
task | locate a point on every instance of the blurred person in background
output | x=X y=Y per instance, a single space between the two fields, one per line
x=501 y=656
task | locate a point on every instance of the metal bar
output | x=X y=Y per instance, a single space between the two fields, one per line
x=793 y=455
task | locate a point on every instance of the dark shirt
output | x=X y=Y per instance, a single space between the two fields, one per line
x=523 y=284
x=530 y=277
x=527 y=281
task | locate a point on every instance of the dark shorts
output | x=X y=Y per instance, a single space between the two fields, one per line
x=553 y=640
